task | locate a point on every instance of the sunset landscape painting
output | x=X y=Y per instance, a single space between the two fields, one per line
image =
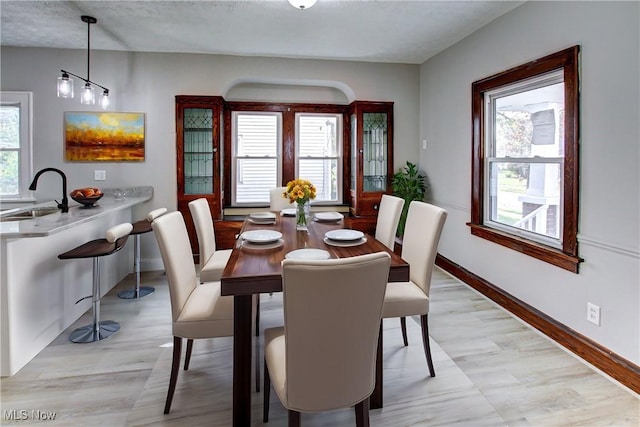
x=104 y=137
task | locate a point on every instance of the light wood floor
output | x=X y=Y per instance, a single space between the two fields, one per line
x=492 y=370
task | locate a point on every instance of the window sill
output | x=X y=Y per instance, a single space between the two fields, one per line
x=543 y=253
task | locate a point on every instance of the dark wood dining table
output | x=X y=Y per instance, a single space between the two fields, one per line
x=255 y=269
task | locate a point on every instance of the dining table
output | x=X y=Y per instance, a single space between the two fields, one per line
x=255 y=267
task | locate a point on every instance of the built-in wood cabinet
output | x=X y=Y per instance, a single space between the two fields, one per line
x=198 y=140
x=371 y=155
x=201 y=120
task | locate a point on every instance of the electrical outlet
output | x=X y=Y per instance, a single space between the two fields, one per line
x=424 y=144
x=99 y=175
x=593 y=314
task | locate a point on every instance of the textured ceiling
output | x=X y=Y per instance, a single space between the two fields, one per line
x=377 y=31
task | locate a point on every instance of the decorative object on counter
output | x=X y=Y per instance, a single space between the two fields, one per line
x=140 y=227
x=409 y=185
x=115 y=239
x=64 y=204
x=120 y=194
x=106 y=137
x=87 y=196
x=88 y=95
x=301 y=192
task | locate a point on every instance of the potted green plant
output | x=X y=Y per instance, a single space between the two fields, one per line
x=409 y=185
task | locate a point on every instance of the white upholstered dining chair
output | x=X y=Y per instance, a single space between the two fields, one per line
x=212 y=261
x=277 y=201
x=197 y=310
x=419 y=247
x=324 y=357
x=388 y=219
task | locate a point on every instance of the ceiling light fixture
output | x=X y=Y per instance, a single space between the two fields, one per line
x=302 y=4
x=88 y=95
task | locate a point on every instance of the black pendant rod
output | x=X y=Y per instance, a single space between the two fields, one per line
x=89 y=20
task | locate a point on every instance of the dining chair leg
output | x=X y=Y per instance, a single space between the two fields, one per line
x=362 y=413
x=187 y=357
x=425 y=341
x=258 y=315
x=257 y=363
x=403 y=326
x=294 y=418
x=266 y=394
x=175 y=368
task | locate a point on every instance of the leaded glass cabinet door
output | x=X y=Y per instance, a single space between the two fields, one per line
x=198 y=159
x=372 y=155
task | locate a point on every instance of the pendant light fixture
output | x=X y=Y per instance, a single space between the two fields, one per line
x=88 y=94
x=302 y=4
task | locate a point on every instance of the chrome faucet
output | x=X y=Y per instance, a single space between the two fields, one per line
x=64 y=206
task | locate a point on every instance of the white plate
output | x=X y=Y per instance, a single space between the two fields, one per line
x=261 y=236
x=288 y=212
x=344 y=234
x=344 y=244
x=262 y=215
x=308 y=253
x=266 y=221
x=261 y=246
x=328 y=216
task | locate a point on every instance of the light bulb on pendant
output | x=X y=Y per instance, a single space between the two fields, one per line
x=65 y=86
x=104 y=101
x=88 y=94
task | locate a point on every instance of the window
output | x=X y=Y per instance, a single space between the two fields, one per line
x=525 y=159
x=15 y=145
x=257 y=139
x=267 y=145
x=319 y=154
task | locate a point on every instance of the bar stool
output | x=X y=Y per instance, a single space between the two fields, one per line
x=116 y=238
x=140 y=227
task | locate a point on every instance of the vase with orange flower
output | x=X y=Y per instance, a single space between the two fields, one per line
x=301 y=192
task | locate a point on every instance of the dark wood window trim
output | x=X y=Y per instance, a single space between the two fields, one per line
x=568 y=61
x=288 y=111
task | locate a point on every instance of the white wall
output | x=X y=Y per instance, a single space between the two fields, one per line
x=609 y=233
x=149 y=82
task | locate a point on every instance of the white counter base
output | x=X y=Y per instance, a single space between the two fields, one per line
x=38 y=291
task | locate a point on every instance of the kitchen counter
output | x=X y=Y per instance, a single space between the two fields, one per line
x=78 y=214
x=38 y=291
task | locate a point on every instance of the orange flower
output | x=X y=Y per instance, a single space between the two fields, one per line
x=300 y=191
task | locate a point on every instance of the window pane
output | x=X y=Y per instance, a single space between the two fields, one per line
x=256 y=150
x=9 y=172
x=9 y=127
x=254 y=178
x=323 y=174
x=526 y=196
x=318 y=136
x=529 y=123
x=257 y=135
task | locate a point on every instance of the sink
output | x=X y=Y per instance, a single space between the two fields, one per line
x=29 y=214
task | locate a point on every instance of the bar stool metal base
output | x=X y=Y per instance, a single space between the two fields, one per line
x=131 y=293
x=86 y=334
x=138 y=291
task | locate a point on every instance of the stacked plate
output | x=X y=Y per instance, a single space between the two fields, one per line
x=328 y=216
x=344 y=237
x=261 y=239
x=288 y=212
x=262 y=218
x=308 y=254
